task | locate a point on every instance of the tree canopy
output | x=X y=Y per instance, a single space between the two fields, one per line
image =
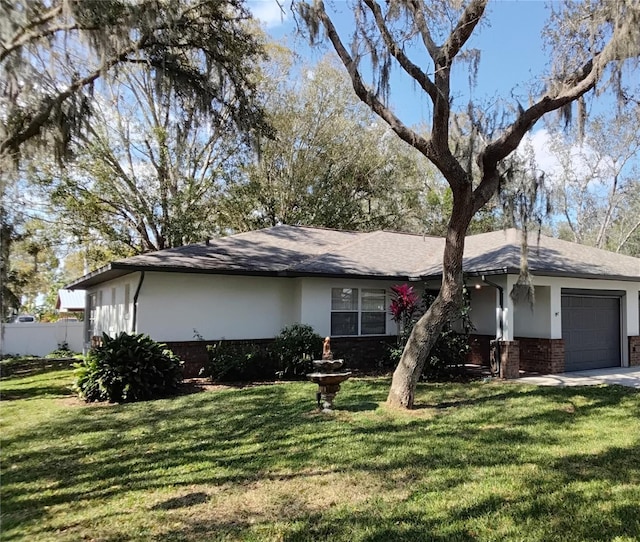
x=53 y=53
x=309 y=173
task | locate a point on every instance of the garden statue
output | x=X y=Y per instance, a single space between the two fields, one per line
x=326 y=349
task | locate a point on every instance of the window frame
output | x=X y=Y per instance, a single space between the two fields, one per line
x=359 y=311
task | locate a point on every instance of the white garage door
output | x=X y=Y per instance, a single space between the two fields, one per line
x=591 y=332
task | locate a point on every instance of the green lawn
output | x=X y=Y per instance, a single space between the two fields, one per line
x=482 y=461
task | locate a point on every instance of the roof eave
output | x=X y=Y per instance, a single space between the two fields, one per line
x=115 y=270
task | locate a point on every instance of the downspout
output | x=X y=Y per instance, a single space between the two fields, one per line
x=134 y=323
x=495 y=363
x=501 y=301
x=86 y=342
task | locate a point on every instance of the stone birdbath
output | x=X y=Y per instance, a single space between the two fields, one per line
x=328 y=377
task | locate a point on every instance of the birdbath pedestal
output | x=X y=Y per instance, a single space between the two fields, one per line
x=327 y=377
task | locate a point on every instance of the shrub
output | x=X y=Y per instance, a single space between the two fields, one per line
x=63 y=351
x=289 y=356
x=294 y=348
x=450 y=350
x=128 y=368
x=238 y=362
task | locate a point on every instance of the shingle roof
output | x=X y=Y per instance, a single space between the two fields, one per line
x=305 y=251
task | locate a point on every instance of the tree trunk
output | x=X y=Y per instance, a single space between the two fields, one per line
x=427 y=329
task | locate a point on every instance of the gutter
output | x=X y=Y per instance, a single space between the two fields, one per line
x=501 y=301
x=134 y=323
x=495 y=359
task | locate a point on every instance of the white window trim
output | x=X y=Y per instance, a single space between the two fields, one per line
x=359 y=311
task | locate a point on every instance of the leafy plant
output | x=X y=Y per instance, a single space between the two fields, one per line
x=294 y=348
x=450 y=350
x=403 y=307
x=63 y=351
x=128 y=368
x=238 y=362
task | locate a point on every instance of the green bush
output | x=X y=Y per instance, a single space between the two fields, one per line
x=294 y=348
x=238 y=362
x=63 y=351
x=450 y=351
x=289 y=356
x=128 y=368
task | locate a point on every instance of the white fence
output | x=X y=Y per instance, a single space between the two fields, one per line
x=40 y=339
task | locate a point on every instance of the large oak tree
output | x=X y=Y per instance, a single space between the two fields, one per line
x=53 y=53
x=594 y=40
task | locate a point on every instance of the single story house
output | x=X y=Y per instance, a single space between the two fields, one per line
x=250 y=285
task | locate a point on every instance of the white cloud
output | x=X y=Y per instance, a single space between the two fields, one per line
x=582 y=157
x=268 y=11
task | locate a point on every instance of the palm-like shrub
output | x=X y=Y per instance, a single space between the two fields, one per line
x=128 y=368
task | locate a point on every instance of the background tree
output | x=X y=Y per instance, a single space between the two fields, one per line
x=9 y=280
x=147 y=173
x=53 y=53
x=596 y=188
x=593 y=40
x=331 y=163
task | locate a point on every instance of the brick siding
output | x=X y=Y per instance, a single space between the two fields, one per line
x=370 y=354
x=480 y=349
x=509 y=359
x=544 y=356
x=365 y=354
x=634 y=351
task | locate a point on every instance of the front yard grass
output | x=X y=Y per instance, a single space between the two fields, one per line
x=481 y=461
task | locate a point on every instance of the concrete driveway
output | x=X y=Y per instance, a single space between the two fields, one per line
x=624 y=376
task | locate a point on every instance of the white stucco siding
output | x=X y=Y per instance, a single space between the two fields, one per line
x=172 y=305
x=629 y=307
x=534 y=321
x=484 y=309
x=113 y=311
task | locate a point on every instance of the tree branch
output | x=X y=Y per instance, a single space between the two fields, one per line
x=416 y=10
x=365 y=94
x=580 y=83
x=463 y=30
x=11 y=143
x=19 y=37
x=412 y=69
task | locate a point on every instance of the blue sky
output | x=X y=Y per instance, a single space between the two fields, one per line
x=511 y=53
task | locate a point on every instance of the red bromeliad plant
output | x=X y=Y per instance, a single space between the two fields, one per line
x=403 y=306
x=404 y=302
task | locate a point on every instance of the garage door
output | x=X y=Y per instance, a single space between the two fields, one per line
x=591 y=332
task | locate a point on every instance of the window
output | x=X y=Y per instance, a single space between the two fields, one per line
x=373 y=316
x=358 y=312
x=344 y=311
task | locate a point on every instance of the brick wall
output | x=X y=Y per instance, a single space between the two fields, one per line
x=634 y=351
x=480 y=349
x=366 y=354
x=369 y=354
x=509 y=359
x=194 y=353
x=545 y=356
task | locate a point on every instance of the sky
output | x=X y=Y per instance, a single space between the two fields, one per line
x=511 y=52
